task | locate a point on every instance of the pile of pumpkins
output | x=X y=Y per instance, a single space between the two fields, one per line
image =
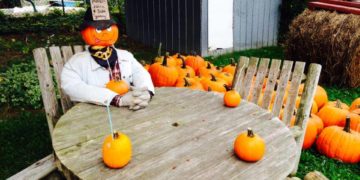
x=334 y=128
x=335 y=135
x=190 y=71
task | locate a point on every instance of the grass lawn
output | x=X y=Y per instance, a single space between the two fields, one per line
x=25 y=138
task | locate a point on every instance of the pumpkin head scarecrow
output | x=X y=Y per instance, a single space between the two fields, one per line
x=103 y=74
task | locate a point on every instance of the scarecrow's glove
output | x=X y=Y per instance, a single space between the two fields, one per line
x=126 y=100
x=142 y=97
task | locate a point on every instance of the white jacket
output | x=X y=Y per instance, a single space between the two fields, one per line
x=84 y=80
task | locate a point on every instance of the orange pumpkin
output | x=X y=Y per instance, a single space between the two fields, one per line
x=232 y=98
x=162 y=74
x=227 y=77
x=340 y=143
x=190 y=83
x=104 y=37
x=355 y=122
x=249 y=146
x=310 y=134
x=206 y=71
x=320 y=97
x=319 y=123
x=195 y=62
x=355 y=104
x=185 y=70
x=120 y=87
x=230 y=68
x=332 y=114
x=170 y=60
x=116 y=150
x=179 y=59
x=214 y=84
x=335 y=104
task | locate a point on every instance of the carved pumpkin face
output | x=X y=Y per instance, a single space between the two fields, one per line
x=96 y=37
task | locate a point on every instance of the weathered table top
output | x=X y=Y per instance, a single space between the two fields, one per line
x=182 y=134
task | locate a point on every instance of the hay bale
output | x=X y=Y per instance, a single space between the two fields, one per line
x=330 y=39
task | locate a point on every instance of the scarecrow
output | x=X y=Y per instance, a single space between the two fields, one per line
x=105 y=75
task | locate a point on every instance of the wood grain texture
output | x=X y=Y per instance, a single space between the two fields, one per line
x=47 y=87
x=198 y=147
x=249 y=76
x=67 y=53
x=281 y=86
x=270 y=83
x=259 y=81
x=78 y=48
x=239 y=75
x=302 y=115
x=293 y=92
x=58 y=64
x=37 y=170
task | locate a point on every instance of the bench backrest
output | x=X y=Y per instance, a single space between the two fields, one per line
x=46 y=69
x=266 y=82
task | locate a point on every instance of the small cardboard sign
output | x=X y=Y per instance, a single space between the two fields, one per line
x=100 y=10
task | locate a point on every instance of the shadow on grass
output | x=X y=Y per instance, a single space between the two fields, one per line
x=24 y=139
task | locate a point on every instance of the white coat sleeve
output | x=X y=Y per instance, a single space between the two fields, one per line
x=141 y=77
x=73 y=85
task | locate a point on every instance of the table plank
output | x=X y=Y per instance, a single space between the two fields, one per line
x=200 y=147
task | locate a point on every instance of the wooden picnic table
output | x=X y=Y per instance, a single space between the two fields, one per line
x=182 y=134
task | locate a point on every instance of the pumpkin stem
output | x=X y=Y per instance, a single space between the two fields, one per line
x=187 y=84
x=338 y=104
x=187 y=75
x=347 y=124
x=213 y=78
x=164 y=63
x=227 y=87
x=250 y=132
x=208 y=66
x=159 y=50
x=209 y=89
x=115 y=135
x=232 y=60
x=183 y=62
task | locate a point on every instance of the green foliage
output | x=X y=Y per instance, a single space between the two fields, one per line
x=346 y=95
x=53 y=22
x=333 y=169
x=19 y=86
x=24 y=139
x=268 y=52
x=289 y=9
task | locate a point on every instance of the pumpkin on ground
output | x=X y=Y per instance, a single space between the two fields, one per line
x=170 y=61
x=214 y=84
x=195 y=62
x=118 y=86
x=190 y=83
x=355 y=122
x=185 y=70
x=249 y=146
x=320 y=97
x=310 y=134
x=319 y=123
x=356 y=111
x=355 y=104
x=116 y=150
x=226 y=77
x=207 y=70
x=332 y=114
x=179 y=59
x=230 y=68
x=336 y=103
x=340 y=143
x=232 y=98
x=162 y=74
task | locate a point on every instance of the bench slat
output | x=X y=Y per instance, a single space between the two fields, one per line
x=293 y=92
x=270 y=83
x=260 y=76
x=240 y=73
x=250 y=72
x=67 y=52
x=281 y=87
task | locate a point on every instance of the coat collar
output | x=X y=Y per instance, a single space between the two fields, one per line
x=95 y=66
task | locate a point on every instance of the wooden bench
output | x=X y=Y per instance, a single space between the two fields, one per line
x=249 y=80
x=58 y=57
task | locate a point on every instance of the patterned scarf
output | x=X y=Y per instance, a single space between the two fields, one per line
x=102 y=54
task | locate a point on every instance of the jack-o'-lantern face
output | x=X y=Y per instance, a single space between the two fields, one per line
x=96 y=37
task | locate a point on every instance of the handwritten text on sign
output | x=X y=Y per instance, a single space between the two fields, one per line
x=100 y=9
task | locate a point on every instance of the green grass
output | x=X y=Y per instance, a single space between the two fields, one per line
x=25 y=138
